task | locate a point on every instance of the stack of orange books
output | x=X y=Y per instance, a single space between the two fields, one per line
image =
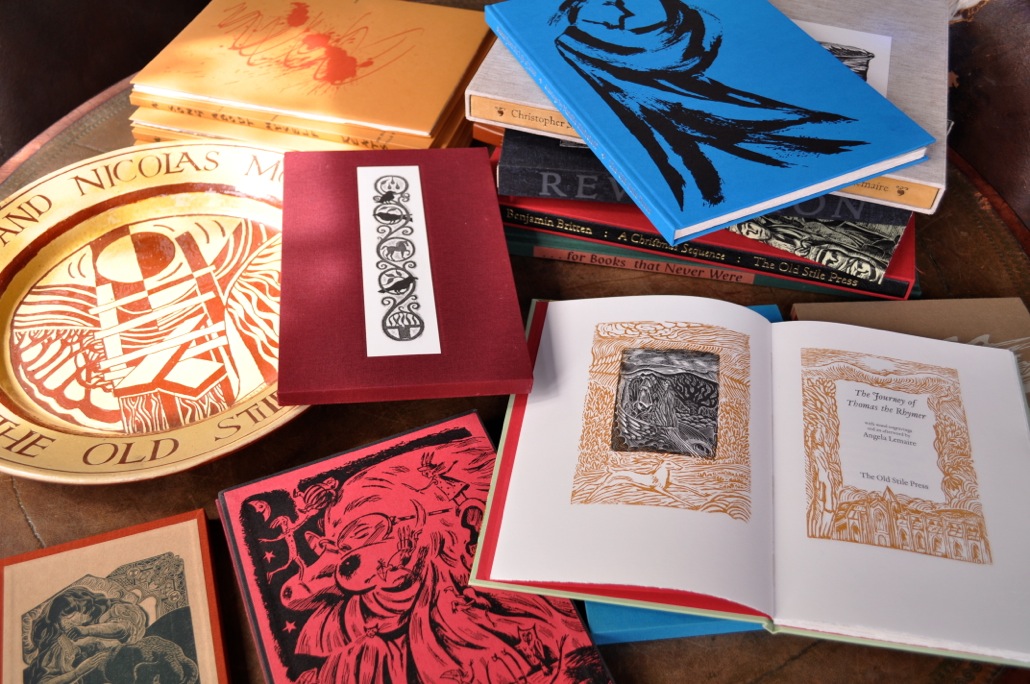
x=366 y=74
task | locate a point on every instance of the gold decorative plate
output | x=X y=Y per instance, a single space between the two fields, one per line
x=139 y=311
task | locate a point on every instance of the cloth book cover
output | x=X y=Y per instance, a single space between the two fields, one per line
x=355 y=568
x=396 y=282
x=385 y=64
x=901 y=48
x=990 y=321
x=821 y=478
x=502 y=93
x=710 y=113
x=132 y=605
x=846 y=260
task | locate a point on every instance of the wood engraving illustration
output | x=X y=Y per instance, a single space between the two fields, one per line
x=852 y=56
x=648 y=61
x=863 y=250
x=921 y=496
x=665 y=419
x=133 y=625
x=363 y=572
x=152 y=326
x=396 y=264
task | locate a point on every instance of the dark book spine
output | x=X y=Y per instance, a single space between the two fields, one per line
x=835 y=208
x=556 y=183
x=783 y=267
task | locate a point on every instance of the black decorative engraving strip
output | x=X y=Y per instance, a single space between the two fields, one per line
x=396 y=260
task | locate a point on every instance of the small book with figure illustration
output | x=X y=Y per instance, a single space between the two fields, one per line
x=818 y=478
x=355 y=568
x=707 y=113
x=132 y=605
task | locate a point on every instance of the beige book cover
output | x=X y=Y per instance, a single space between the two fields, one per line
x=383 y=63
x=910 y=42
x=130 y=605
x=991 y=322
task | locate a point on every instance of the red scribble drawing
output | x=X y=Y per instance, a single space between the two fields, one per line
x=300 y=43
x=152 y=326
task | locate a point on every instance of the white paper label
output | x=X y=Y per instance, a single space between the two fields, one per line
x=397 y=282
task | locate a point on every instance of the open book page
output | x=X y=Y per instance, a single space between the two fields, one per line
x=901 y=471
x=641 y=458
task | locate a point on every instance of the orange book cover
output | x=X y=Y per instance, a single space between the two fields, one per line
x=388 y=64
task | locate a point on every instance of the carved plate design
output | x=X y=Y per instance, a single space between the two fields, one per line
x=139 y=312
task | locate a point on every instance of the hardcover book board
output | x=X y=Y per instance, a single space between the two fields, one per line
x=502 y=92
x=378 y=63
x=396 y=279
x=992 y=322
x=692 y=110
x=534 y=165
x=623 y=226
x=136 y=604
x=917 y=82
x=613 y=624
x=356 y=566
x=899 y=462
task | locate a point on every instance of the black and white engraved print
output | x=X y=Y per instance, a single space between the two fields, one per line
x=395 y=260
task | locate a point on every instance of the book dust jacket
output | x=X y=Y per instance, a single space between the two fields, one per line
x=356 y=567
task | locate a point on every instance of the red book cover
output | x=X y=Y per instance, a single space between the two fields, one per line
x=626 y=226
x=396 y=280
x=356 y=567
x=131 y=605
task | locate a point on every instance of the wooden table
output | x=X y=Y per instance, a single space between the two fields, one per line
x=965 y=250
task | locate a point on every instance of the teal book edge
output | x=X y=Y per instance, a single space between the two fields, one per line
x=614 y=624
x=611 y=623
x=706 y=113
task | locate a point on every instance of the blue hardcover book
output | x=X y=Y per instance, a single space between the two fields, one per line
x=710 y=112
x=614 y=624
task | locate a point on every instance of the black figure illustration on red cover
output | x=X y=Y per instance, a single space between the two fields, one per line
x=357 y=569
x=647 y=59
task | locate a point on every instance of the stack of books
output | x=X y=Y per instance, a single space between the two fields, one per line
x=724 y=181
x=368 y=74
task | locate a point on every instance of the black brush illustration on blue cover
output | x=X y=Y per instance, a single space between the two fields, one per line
x=647 y=59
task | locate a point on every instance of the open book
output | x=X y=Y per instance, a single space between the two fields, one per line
x=818 y=477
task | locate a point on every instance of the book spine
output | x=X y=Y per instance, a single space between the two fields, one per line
x=523 y=117
x=895 y=192
x=555 y=183
x=711 y=254
x=519 y=245
x=371 y=140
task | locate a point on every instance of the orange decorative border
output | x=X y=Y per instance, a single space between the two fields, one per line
x=954 y=529
x=719 y=485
